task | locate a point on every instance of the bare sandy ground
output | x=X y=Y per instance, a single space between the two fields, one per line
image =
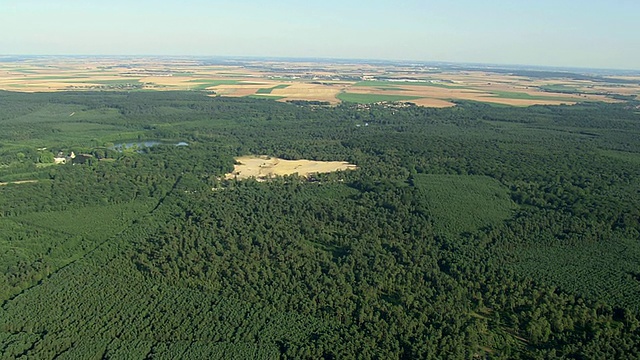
x=18 y=182
x=263 y=167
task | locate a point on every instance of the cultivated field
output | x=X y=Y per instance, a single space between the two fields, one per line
x=309 y=81
x=263 y=167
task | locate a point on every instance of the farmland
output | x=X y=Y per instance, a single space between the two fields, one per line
x=431 y=86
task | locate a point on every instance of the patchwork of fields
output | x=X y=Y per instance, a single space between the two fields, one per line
x=308 y=81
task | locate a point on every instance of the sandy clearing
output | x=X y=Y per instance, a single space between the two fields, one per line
x=262 y=167
x=18 y=182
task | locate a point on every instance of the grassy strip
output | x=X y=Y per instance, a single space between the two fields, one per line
x=132 y=81
x=524 y=96
x=269 y=90
x=52 y=77
x=204 y=84
x=560 y=88
x=622 y=155
x=262 y=96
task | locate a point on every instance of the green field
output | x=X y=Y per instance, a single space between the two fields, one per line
x=631 y=157
x=42 y=243
x=560 y=88
x=524 y=96
x=204 y=84
x=114 y=82
x=263 y=96
x=269 y=90
x=592 y=269
x=51 y=77
x=461 y=204
x=378 y=83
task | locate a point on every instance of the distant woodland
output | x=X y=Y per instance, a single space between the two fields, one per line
x=467 y=232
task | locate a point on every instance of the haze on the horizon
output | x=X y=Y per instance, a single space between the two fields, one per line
x=571 y=33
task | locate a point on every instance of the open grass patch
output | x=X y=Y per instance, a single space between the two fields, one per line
x=263 y=96
x=560 y=88
x=52 y=77
x=114 y=82
x=630 y=157
x=49 y=113
x=269 y=90
x=25 y=71
x=86 y=130
x=387 y=84
x=525 y=96
x=464 y=203
x=204 y=84
x=94 y=223
x=597 y=270
x=43 y=242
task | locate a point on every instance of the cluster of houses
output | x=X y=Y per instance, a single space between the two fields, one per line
x=62 y=158
x=385 y=104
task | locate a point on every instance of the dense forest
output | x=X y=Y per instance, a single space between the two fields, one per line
x=468 y=232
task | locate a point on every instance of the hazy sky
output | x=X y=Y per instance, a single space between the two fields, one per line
x=585 y=33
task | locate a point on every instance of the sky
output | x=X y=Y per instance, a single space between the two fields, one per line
x=569 y=33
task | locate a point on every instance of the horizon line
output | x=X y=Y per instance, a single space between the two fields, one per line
x=506 y=66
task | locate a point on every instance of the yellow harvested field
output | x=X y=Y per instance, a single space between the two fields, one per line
x=234 y=90
x=169 y=81
x=304 y=91
x=263 y=167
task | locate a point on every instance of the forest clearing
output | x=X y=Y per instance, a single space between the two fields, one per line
x=17 y=182
x=262 y=167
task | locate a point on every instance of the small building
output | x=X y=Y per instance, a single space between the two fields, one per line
x=82 y=158
x=61 y=158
